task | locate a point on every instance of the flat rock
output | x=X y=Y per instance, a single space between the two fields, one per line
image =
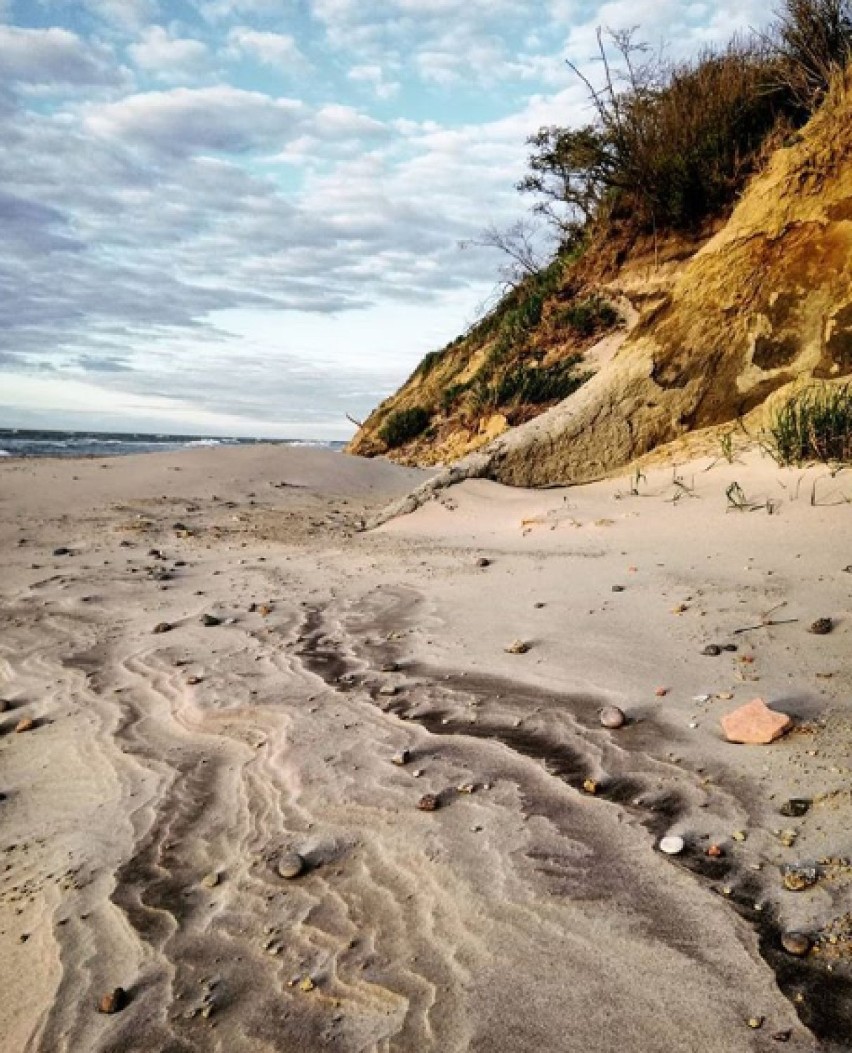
x=517 y=647
x=210 y=620
x=162 y=627
x=796 y=943
x=672 y=845
x=428 y=803
x=755 y=724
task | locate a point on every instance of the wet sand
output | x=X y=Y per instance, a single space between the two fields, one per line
x=145 y=813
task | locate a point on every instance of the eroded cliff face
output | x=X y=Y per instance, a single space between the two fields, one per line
x=765 y=304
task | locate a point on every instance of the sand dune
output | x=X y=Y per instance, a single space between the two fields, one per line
x=167 y=773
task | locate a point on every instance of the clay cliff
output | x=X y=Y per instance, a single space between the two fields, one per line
x=699 y=335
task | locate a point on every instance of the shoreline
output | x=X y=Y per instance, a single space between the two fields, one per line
x=529 y=912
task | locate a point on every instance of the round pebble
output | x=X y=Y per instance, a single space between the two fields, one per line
x=672 y=845
x=291 y=865
x=612 y=717
x=796 y=943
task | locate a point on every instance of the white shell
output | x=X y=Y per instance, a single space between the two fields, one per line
x=672 y=845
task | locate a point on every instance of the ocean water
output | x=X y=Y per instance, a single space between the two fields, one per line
x=21 y=442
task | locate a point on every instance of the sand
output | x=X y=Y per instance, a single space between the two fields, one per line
x=145 y=813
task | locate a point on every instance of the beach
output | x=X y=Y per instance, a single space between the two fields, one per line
x=210 y=666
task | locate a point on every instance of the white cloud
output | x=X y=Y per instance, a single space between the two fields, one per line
x=373 y=76
x=168 y=57
x=52 y=56
x=126 y=14
x=278 y=50
x=185 y=120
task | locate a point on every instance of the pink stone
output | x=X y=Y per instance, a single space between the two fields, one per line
x=755 y=723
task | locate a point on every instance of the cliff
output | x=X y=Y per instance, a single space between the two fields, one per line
x=703 y=338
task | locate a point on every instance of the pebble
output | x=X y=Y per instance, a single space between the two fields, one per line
x=712 y=650
x=113 y=1001
x=162 y=627
x=821 y=627
x=715 y=851
x=782 y=1036
x=483 y=562
x=796 y=943
x=739 y=835
x=799 y=876
x=4 y=705
x=518 y=647
x=210 y=880
x=590 y=786
x=795 y=808
x=672 y=845
x=388 y=690
x=402 y=758
x=612 y=717
x=755 y=1022
x=428 y=803
x=210 y=620
x=24 y=724
x=193 y=680
x=291 y=865
x=62 y=551
x=661 y=692
x=618 y=588
x=390 y=667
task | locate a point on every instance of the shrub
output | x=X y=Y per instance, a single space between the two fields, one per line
x=533 y=385
x=815 y=425
x=590 y=316
x=815 y=41
x=404 y=425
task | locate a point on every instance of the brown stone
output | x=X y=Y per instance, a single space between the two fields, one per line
x=113 y=1001
x=428 y=803
x=755 y=723
x=24 y=724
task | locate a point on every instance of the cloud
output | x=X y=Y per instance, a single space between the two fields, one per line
x=168 y=57
x=126 y=14
x=186 y=120
x=52 y=56
x=373 y=76
x=278 y=50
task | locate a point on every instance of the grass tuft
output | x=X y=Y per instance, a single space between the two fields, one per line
x=815 y=425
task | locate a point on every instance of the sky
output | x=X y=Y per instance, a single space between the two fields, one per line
x=246 y=217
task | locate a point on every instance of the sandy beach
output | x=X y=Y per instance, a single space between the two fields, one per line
x=415 y=712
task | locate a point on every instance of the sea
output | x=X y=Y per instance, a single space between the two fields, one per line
x=23 y=442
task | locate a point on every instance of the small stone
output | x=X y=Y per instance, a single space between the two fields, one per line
x=755 y=1022
x=590 y=786
x=483 y=562
x=193 y=680
x=795 y=808
x=782 y=1036
x=113 y=1001
x=612 y=717
x=618 y=588
x=402 y=758
x=796 y=943
x=799 y=876
x=715 y=851
x=712 y=650
x=307 y=984
x=210 y=880
x=755 y=723
x=5 y=704
x=210 y=620
x=162 y=627
x=291 y=865
x=390 y=667
x=62 y=551
x=739 y=835
x=518 y=647
x=729 y=647
x=788 y=837
x=821 y=627
x=428 y=803
x=672 y=845
x=24 y=724
x=467 y=787
x=661 y=692
x=388 y=690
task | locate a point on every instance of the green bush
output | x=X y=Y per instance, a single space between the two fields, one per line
x=404 y=425
x=815 y=425
x=533 y=385
x=590 y=316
